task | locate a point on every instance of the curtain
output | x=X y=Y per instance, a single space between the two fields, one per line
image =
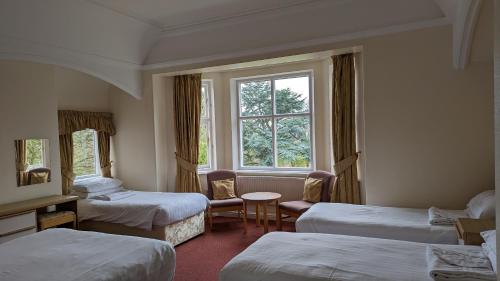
x=21 y=164
x=72 y=121
x=103 y=142
x=346 y=188
x=66 y=155
x=187 y=111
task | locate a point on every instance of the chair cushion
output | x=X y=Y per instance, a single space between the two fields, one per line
x=226 y=203
x=312 y=190
x=223 y=189
x=296 y=206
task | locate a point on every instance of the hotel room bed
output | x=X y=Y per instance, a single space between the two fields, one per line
x=375 y=221
x=69 y=255
x=281 y=256
x=174 y=217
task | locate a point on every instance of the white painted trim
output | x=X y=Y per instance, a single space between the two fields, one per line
x=300 y=44
x=463 y=31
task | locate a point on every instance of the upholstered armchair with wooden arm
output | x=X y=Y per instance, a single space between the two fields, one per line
x=296 y=208
x=223 y=205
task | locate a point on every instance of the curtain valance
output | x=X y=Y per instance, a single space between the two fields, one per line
x=72 y=121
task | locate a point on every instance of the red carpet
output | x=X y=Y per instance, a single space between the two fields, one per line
x=204 y=256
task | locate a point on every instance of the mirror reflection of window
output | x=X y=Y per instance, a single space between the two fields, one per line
x=32 y=161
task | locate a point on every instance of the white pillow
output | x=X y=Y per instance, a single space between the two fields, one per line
x=96 y=184
x=482 y=205
x=490 y=246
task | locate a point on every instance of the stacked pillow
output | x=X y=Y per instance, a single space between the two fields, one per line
x=490 y=247
x=482 y=206
x=96 y=186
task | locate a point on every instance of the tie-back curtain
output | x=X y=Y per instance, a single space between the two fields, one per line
x=346 y=189
x=21 y=165
x=72 y=121
x=187 y=111
x=104 y=144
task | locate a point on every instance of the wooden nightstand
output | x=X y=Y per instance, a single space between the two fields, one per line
x=54 y=219
x=469 y=230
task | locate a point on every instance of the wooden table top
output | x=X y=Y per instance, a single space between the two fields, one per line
x=261 y=196
x=22 y=206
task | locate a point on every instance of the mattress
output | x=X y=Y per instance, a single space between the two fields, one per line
x=69 y=255
x=375 y=221
x=281 y=256
x=144 y=209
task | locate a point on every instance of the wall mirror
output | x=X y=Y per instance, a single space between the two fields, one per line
x=32 y=161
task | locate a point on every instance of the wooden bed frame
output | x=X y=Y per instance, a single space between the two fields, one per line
x=175 y=233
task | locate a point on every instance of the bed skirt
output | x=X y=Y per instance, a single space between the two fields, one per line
x=175 y=233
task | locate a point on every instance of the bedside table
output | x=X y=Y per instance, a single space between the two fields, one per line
x=468 y=230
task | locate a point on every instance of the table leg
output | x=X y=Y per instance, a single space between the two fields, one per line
x=245 y=215
x=257 y=216
x=266 y=222
x=278 y=215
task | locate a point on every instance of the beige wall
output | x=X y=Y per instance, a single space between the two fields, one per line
x=31 y=94
x=497 y=115
x=28 y=109
x=78 y=91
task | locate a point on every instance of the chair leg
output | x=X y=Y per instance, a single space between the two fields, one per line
x=210 y=218
x=278 y=217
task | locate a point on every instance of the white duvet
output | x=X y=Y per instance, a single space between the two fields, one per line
x=144 y=209
x=69 y=255
x=281 y=256
x=374 y=221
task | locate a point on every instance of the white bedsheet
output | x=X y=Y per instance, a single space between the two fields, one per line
x=374 y=221
x=69 y=255
x=281 y=256
x=144 y=209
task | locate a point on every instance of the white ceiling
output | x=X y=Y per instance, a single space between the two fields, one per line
x=116 y=39
x=173 y=14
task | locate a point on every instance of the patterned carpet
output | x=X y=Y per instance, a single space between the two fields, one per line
x=204 y=256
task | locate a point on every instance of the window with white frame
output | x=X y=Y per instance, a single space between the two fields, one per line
x=37 y=155
x=85 y=154
x=206 y=158
x=275 y=122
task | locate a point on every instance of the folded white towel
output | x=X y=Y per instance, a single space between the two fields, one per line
x=444 y=217
x=92 y=195
x=448 y=262
x=115 y=196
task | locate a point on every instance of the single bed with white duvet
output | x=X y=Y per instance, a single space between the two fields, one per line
x=281 y=256
x=391 y=222
x=70 y=255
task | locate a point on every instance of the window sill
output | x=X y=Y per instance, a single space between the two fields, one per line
x=301 y=174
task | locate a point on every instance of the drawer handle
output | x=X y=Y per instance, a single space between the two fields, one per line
x=17 y=231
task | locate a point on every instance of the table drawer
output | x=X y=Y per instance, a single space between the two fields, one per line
x=17 y=223
x=16 y=235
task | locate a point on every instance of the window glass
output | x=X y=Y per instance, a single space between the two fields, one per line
x=257 y=142
x=256 y=98
x=85 y=157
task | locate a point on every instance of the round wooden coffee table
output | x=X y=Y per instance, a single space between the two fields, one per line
x=263 y=199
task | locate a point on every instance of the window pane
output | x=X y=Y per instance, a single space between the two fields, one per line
x=204 y=101
x=292 y=95
x=34 y=153
x=257 y=142
x=84 y=157
x=255 y=98
x=293 y=142
x=203 y=156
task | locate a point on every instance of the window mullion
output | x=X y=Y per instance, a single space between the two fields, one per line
x=273 y=120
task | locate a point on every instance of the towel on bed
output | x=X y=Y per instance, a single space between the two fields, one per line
x=115 y=196
x=460 y=264
x=443 y=217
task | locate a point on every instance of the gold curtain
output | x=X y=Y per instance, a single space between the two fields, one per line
x=21 y=164
x=103 y=142
x=346 y=188
x=187 y=111
x=72 y=121
x=66 y=155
